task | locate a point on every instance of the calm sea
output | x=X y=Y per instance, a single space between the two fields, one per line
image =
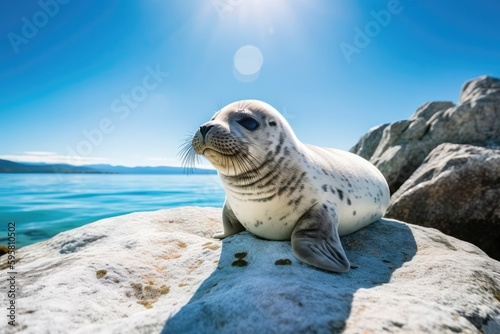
x=43 y=205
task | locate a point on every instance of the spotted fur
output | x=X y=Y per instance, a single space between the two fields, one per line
x=280 y=189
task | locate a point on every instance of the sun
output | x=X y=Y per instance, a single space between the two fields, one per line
x=260 y=16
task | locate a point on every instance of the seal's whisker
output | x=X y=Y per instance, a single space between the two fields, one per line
x=245 y=162
x=242 y=105
x=250 y=165
x=250 y=161
x=242 y=166
x=187 y=155
x=234 y=162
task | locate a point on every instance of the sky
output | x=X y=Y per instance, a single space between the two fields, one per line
x=127 y=82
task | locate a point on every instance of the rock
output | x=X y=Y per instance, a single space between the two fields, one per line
x=162 y=272
x=399 y=149
x=456 y=190
x=480 y=88
x=404 y=145
x=429 y=109
x=367 y=145
x=119 y=275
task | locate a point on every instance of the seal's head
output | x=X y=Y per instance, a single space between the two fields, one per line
x=241 y=137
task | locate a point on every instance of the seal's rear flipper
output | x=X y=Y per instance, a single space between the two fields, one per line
x=230 y=223
x=315 y=239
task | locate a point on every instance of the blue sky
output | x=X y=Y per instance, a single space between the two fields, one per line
x=125 y=82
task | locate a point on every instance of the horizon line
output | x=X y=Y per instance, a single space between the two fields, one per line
x=104 y=163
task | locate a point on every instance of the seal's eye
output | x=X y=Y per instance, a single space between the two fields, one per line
x=248 y=123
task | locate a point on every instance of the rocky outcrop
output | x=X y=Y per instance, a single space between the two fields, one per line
x=456 y=190
x=453 y=188
x=162 y=272
x=480 y=89
x=399 y=148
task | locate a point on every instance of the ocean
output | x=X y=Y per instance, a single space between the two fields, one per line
x=43 y=205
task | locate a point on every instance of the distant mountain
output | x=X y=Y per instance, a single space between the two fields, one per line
x=150 y=170
x=7 y=166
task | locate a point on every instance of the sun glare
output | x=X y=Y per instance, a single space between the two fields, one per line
x=262 y=27
x=248 y=61
x=265 y=16
x=257 y=21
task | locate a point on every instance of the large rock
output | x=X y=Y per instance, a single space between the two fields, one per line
x=402 y=146
x=399 y=149
x=120 y=275
x=480 y=88
x=456 y=190
x=132 y=274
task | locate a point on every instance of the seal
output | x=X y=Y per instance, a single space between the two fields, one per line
x=281 y=189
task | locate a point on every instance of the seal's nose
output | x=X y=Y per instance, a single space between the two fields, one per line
x=204 y=130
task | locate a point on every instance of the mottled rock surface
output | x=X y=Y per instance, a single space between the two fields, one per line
x=399 y=148
x=125 y=274
x=480 y=88
x=456 y=190
x=161 y=271
x=464 y=200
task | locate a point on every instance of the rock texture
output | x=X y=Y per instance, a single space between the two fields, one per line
x=132 y=274
x=456 y=190
x=119 y=275
x=464 y=200
x=399 y=148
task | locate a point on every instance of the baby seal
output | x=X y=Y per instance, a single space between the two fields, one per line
x=281 y=189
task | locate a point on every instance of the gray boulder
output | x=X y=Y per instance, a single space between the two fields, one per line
x=161 y=271
x=481 y=88
x=367 y=145
x=401 y=147
x=456 y=190
x=429 y=109
x=420 y=194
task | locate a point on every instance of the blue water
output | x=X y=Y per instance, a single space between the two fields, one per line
x=43 y=205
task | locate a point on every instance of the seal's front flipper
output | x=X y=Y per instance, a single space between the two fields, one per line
x=230 y=223
x=315 y=239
